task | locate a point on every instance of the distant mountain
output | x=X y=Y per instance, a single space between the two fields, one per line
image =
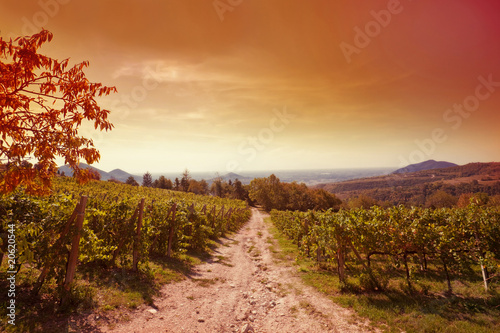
x=122 y=176
x=426 y=165
x=69 y=172
x=117 y=174
x=232 y=177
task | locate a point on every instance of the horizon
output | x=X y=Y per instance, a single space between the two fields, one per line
x=222 y=173
x=265 y=173
x=138 y=172
x=311 y=86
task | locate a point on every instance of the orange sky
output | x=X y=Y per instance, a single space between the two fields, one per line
x=235 y=85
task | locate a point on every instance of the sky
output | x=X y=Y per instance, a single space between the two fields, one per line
x=235 y=85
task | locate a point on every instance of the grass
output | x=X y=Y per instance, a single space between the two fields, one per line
x=98 y=290
x=427 y=308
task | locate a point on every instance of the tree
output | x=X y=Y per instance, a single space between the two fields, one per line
x=163 y=183
x=94 y=174
x=479 y=199
x=324 y=200
x=239 y=191
x=147 y=180
x=362 y=201
x=177 y=184
x=268 y=192
x=217 y=187
x=42 y=106
x=131 y=181
x=186 y=178
x=441 y=199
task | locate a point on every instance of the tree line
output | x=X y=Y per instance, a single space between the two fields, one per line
x=218 y=187
x=271 y=193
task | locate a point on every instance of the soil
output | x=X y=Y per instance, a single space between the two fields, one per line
x=242 y=289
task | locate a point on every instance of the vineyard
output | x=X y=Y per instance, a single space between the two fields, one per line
x=109 y=224
x=407 y=239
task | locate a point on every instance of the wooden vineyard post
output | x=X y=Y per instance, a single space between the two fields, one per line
x=213 y=217
x=407 y=270
x=484 y=270
x=57 y=245
x=171 y=233
x=341 y=260
x=229 y=212
x=221 y=212
x=73 y=256
x=137 y=241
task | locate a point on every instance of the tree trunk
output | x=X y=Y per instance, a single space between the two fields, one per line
x=405 y=259
x=448 y=280
x=366 y=267
x=484 y=271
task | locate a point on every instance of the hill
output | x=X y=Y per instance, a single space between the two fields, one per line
x=416 y=187
x=232 y=177
x=117 y=174
x=122 y=176
x=426 y=165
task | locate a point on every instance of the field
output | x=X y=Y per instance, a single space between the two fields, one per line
x=411 y=269
x=415 y=187
x=394 y=277
x=131 y=241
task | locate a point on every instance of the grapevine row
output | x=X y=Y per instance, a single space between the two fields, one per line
x=456 y=238
x=118 y=221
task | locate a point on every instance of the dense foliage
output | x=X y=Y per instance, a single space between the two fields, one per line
x=430 y=188
x=43 y=103
x=459 y=238
x=270 y=193
x=171 y=222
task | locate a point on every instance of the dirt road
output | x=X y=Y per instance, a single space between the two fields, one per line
x=242 y=289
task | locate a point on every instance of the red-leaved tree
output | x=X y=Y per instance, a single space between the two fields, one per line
x=43 y=103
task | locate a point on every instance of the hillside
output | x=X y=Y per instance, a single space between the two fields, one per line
x=415 y=187
x=122 y=176
x=426 y=165
x=231 y=176
x=117 y=174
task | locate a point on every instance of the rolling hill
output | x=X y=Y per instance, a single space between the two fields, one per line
x=417 y=186
x=233 y=176
x=426 y=165
x=117 y=174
